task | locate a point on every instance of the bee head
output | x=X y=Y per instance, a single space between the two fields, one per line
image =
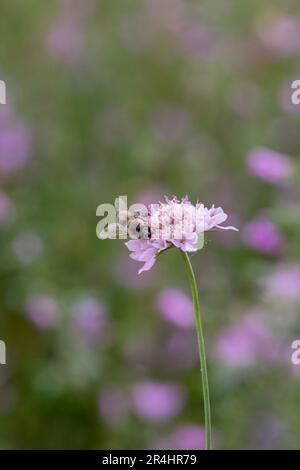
x=138 y=229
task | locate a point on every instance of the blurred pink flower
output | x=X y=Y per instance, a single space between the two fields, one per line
x=281 y=35
x=180 y=351
x=15 y=143
x=176 y=307
x=42 y=311
x=263 y=236
x=89 y=317
x=187 y=437
x=65 y=41
x=196 y=39
x=268 y=434
x=247 y=342
x=157 y=401
x=283 y=283
x=114 y=404
x=269 y=165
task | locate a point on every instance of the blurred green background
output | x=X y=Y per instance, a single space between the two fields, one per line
x=145 y=98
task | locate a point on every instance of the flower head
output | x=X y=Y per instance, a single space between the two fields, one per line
x=174 y=223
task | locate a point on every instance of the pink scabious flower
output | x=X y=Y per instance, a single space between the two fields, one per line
x=154 y=229
x=175 y=223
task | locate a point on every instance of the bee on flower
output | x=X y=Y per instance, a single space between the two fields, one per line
x=178 y=224
x=175 y=223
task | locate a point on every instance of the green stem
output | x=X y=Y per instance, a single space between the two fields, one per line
x=201 y=348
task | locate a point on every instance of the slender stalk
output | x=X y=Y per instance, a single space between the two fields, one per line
x=201 y=348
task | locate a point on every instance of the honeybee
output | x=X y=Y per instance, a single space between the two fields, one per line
x=137 y=225
x=133 y=222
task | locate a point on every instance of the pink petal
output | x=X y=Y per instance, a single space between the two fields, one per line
x=227 y=228
x=148 y=265
x=136 y=245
